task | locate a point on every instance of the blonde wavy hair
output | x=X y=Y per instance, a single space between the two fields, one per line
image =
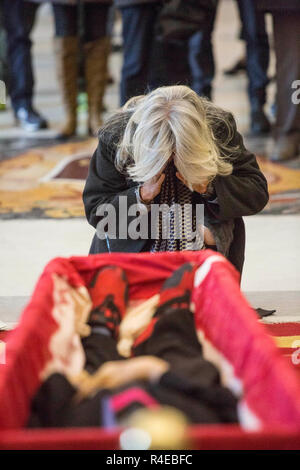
x=174 y=122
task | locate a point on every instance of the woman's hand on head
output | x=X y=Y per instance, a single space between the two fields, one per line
x=198 y=188
x=151 y=188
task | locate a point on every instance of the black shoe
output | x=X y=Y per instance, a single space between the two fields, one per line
x=260 y=124
x=29 y=119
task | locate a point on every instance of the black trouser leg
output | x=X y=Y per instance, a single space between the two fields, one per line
x=99 y=348
x=174 y=339
x=201 y=58
x=174 y=68
x=19 y=18
x=95 y=20
x=65 y=20
x=287 y=50
x=257 y=43
x=138 y=31
x=96 y=16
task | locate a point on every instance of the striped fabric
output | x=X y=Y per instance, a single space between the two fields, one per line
x=175 y=194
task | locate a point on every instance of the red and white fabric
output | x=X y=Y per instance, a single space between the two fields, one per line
x=44 y=335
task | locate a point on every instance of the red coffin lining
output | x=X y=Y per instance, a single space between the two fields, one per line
x=27 y=351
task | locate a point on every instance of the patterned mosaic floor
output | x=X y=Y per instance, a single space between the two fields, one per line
x=284 y=187
x=47 y=182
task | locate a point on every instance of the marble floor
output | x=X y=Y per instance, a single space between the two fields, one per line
x=271 y=277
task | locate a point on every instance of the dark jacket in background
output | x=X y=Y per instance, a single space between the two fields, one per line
x=240 y=194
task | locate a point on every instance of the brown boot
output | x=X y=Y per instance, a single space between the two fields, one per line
x=66 y=54
x=96 y=54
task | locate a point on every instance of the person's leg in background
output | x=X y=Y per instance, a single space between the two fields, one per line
x=287 y=50
x=257 y=46
x=19 y=19
x=138 y=31
x=201 y=58
x=240 y=64
x=96 y=52
x=4 y=75
x=66 y=55
x=110 y=24
x=169 y=64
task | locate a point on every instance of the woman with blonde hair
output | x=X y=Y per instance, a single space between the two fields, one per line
x=172 y=149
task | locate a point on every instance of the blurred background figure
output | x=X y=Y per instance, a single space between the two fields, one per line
x=286 y=26
x=147 y=61
x=201 y=57
x=18 y=17
x=201 y=61
x=138 y=21
x=95 y=50
x=257 y=63
x=3 y=53
x=93 y=45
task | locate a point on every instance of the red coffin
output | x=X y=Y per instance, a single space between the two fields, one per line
x=270 y=385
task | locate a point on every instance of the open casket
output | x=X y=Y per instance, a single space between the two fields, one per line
x=269 y=407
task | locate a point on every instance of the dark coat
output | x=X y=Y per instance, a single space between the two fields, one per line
x=242 y=193
x=277 y=6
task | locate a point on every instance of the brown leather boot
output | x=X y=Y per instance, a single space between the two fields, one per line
x=96 y=55
x=66 y=54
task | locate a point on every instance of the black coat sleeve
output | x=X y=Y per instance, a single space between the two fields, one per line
x=105 y=183
x=245 y=191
